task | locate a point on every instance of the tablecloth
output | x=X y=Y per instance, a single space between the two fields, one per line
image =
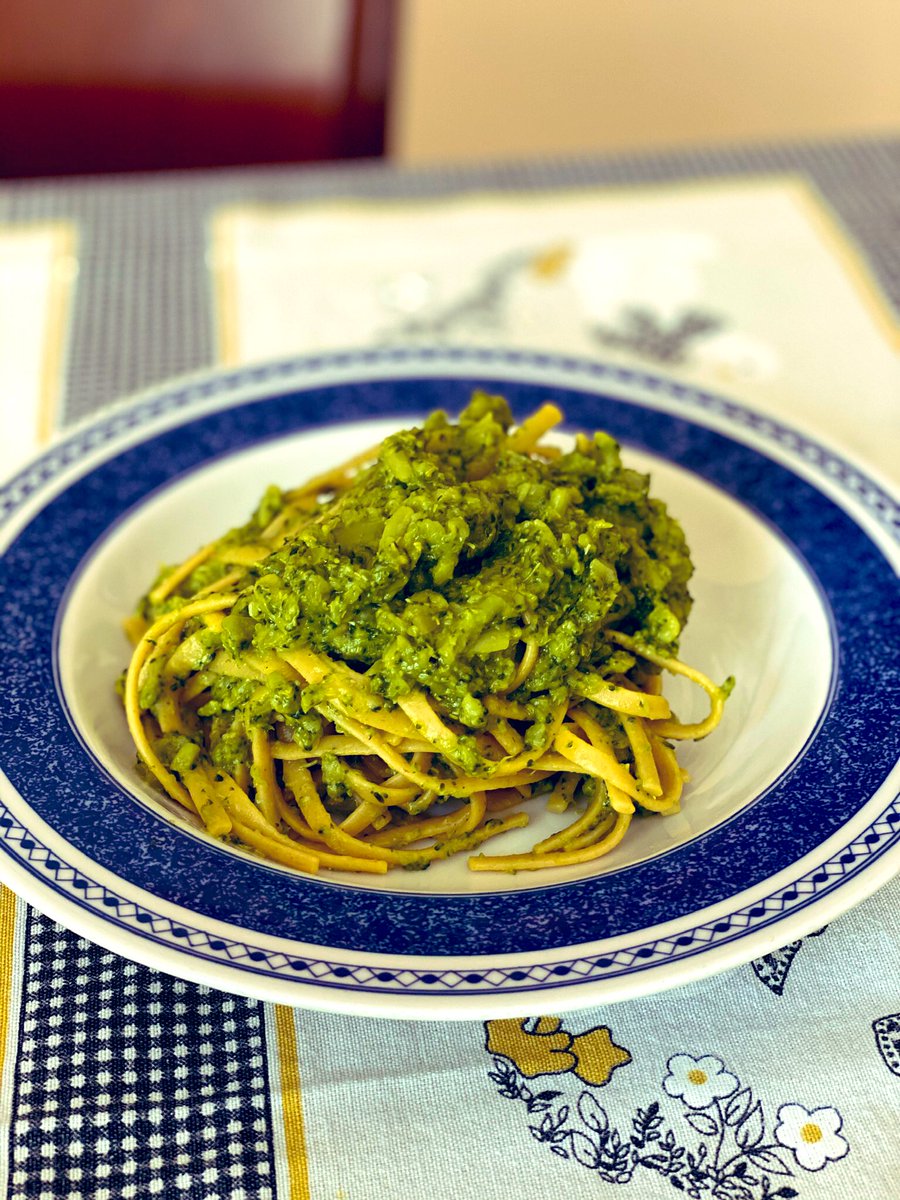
x=781 y=1078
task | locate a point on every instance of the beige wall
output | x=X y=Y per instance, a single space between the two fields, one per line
x=505 y=78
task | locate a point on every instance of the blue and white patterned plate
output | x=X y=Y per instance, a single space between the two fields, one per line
x=792 y=815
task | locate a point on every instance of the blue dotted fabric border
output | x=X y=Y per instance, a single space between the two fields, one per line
x=131 y=1084
x=765 y=839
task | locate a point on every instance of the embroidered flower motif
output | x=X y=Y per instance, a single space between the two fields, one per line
x=813 y=1136
x=739 y=1156
x=543 y=1047
x=698 y=1081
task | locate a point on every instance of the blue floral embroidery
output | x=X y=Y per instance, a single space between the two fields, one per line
x=644 y=333
x=738 y=1158
x=481 y=306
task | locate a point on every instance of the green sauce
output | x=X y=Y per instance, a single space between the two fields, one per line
x=447 y=551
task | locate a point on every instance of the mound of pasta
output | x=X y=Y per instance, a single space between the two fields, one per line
x=398 y=660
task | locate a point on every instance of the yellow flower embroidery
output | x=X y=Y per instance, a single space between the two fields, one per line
x=598 y=1055
x=548 y=1049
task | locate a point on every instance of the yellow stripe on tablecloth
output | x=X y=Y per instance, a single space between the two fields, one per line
x=8 y=904
x=12 y=943
x=297 y=1172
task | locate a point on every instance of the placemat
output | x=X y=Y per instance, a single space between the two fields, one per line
x=746 y=286
x=38 y=269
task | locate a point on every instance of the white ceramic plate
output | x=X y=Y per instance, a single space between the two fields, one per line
x=791 y=815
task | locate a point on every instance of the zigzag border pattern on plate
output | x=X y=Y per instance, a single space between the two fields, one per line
x=869 y=844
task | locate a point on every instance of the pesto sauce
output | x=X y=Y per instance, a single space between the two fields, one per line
x=448 y=550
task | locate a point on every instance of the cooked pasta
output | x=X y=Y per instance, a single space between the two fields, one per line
x=399 y=660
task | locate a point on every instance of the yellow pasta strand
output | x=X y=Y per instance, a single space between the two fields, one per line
x=318 y=817
x=587 y=821
x=132 y=701
x=501 y=707
x=347 y=862
x=534 y=427
x=526 y=666
x=426 y=721
x=333 y=743
x=449 y=824
x=267 y=789
x=717 y=695
x=511 y=863
x=671 y=778
x=644 y=762
x=593 y=836
x=461 y=786
x=624 y=700
x=596 y=760
x=208 y=805
x=167 y=586
x=349 y=691
x=508 y=737
x=279 y=850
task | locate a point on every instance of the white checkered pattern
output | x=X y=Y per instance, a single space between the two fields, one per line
x=131 y=1084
